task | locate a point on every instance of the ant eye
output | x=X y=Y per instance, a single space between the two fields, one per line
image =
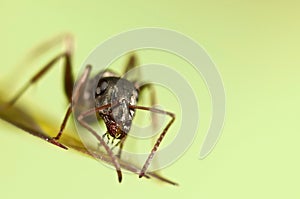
x=101 y=88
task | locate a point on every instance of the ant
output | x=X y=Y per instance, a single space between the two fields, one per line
x=112 y=97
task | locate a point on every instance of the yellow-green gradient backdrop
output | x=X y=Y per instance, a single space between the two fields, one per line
x=255 y=45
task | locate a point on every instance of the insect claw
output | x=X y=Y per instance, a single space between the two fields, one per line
x=119 y=176
x=55 y=138
x=141 y=174
x=55 y=142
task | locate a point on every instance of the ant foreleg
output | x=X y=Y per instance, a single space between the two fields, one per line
x=114 y=160
x=158 y=141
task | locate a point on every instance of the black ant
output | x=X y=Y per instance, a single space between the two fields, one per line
x=114 y=99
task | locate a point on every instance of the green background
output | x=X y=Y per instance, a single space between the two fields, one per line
x=255 y=46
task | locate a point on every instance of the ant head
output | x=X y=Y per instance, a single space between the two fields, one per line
x=120 y=93
x=111 y=90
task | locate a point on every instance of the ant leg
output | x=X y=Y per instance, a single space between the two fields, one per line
x=131 y=63
x=132 y=72
x=68 y=41
x=153 y=98
x=64 y=40
x=64 y=123
x=158 y=141
x=121 y=147
x=153 y=101
x=114 y=160
x=68 y=77
x=81 y=83
x=149 y=87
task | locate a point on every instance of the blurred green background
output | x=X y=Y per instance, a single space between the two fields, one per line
x=255 y=45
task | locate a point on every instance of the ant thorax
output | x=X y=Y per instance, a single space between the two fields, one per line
x=120 y=93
